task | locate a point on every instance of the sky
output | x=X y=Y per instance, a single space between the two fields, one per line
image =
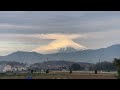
x=47 y=31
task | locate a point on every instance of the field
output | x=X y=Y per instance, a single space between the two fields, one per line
x=62 y=75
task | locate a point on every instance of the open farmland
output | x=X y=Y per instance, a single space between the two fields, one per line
x=62 y=75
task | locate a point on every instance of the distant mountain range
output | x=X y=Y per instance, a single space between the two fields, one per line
x=69 y=54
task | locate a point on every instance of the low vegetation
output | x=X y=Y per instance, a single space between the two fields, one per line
x=59 y=75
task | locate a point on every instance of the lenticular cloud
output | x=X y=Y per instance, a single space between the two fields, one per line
x=59 y=41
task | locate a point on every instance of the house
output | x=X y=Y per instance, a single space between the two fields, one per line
x=20 y=68
x=7 y=68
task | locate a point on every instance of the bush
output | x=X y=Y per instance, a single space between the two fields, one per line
x=95 y=71
x=31 y=71
x=47 y=71
x=70 y=71
x=75 y=66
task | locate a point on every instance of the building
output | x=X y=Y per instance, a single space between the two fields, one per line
x=7 y=68
x=12 y=68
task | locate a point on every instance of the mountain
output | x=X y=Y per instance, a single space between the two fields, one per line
x=67 y=50
x=20 y=56
x=91 y=56
x=55 y=45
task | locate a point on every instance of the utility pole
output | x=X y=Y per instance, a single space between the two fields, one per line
x=100 y=67
x=47 y=71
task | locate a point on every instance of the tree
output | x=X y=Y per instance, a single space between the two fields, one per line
x=105 y=66
x=47 y=71
x=31 y=71
x=95 y=71
x=75 y=66
x=70 y=71
x=116 y=62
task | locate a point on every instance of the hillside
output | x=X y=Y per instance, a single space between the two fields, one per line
x=91 y=56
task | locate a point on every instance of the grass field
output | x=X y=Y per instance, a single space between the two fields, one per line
x=62 y=75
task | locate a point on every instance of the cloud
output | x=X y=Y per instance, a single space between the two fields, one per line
x=61 y=41
x=94 y=29
x=101 y=39
x=15 y=26
x=55 y=45
x=33 y=22
x=58 y=36
x=45 y=43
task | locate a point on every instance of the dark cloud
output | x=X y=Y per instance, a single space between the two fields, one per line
x=59 y=22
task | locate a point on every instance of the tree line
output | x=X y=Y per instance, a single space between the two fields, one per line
x=104 y=66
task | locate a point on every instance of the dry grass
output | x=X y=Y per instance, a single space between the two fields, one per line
x=63 y=75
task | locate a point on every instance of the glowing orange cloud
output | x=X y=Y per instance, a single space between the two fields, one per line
x=61 y=41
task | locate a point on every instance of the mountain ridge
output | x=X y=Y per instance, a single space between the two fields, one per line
x=90 y=55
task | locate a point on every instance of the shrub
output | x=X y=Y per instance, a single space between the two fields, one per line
x=47 y=71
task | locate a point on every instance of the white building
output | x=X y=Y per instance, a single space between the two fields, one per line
x=7 y=68
x=21 y=68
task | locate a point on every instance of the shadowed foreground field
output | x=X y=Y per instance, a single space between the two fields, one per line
x=62 y=75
